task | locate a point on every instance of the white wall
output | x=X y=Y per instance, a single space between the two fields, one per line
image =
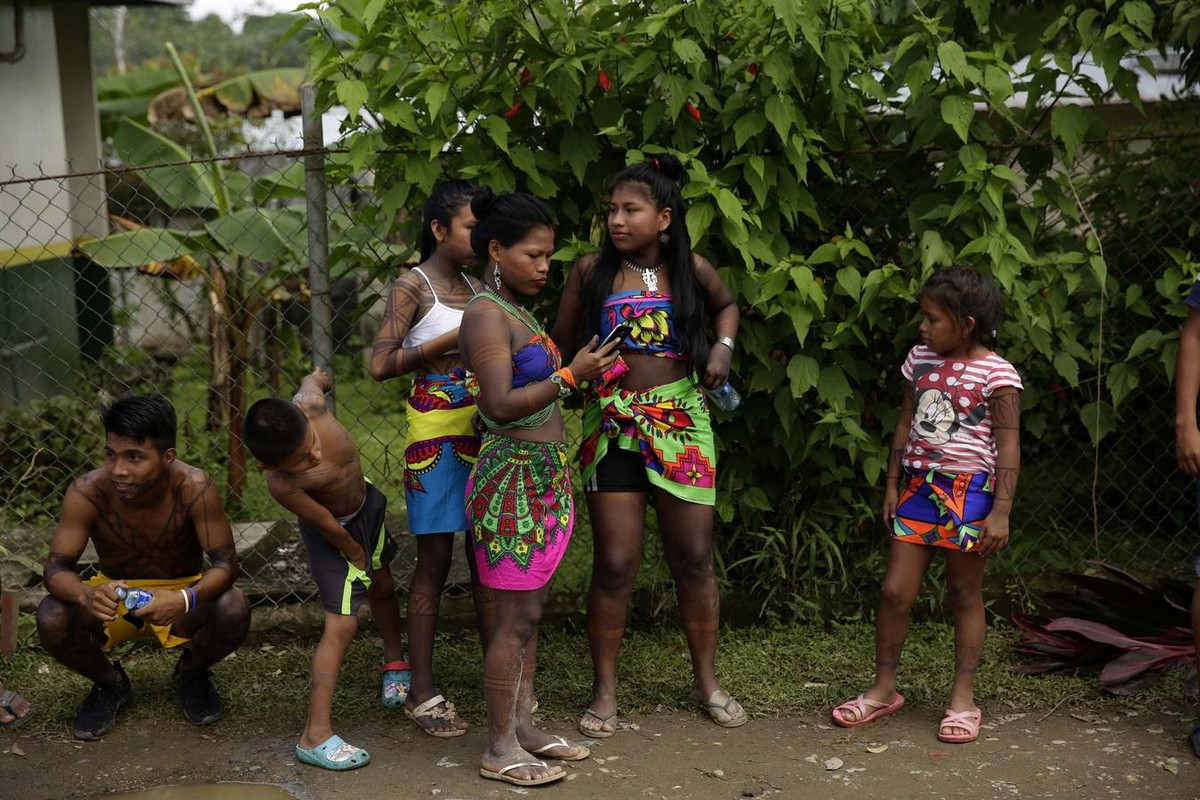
x=32 y=134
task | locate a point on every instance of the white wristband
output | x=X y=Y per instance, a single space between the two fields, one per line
x=725 y=340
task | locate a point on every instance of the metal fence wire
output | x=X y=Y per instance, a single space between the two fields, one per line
x=108 y=286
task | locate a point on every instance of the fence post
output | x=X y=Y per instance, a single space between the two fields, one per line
x=9 y=606
x=318 y=232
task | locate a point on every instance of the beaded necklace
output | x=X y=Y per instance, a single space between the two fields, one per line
x=526 y=318
x=649 y=273
x=523 y=315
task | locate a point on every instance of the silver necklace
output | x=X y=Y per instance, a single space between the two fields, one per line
x=649 y=273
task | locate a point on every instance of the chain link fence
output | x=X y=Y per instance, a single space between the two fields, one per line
x=215 y=309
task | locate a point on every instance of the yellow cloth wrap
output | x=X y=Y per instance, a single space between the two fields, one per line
x=423 y=427
x=122 y=630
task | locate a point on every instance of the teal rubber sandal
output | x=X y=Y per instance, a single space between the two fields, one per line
x=397 y=682
x=335 y=754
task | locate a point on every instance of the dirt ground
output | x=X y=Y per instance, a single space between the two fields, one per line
x=1056 y=753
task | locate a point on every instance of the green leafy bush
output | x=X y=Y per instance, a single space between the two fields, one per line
x=46 y=444
x=837 y=153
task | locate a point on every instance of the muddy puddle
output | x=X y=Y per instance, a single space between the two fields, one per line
x=209 y=791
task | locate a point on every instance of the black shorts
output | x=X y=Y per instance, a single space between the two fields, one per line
x=1196 y=563
x=619 y=471
x=340 y=593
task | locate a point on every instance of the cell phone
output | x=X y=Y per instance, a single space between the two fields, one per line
x=618 y=334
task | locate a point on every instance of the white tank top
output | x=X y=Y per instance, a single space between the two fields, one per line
x=438 y=320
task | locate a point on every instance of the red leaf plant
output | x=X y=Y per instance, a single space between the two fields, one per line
x=1128 y=631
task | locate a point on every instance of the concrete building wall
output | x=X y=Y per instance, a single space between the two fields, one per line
x=50 y=300
x=32 y=133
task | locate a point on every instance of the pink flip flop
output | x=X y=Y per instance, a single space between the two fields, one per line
x=960 y=719
x=860 y=705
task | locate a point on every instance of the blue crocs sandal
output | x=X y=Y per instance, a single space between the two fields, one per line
x=397 y=681
x=335 y=754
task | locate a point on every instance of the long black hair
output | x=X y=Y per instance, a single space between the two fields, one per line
x=444 y=202
x=663 y=178
x=505 y=218
x=966 y=292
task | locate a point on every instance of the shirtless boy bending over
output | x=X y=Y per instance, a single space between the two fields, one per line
x=313 y=470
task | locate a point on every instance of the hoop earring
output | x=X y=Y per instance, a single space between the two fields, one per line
x=496 y=275
x=664 y=237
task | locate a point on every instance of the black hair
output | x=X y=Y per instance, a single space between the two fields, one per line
x=142 y=417
x=506 y=218
x=966 y=292
x=273 y=429
x=663 y=178
x=444 y=202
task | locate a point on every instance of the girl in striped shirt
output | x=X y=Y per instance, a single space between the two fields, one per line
x=950 y=483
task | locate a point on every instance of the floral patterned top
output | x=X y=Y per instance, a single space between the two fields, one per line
x=653 y=323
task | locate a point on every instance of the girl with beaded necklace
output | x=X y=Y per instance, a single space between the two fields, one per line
x=519 y=502
x=647 y=433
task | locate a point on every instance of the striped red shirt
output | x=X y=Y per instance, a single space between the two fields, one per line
x=952 y=419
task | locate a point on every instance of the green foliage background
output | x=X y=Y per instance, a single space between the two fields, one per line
x=209 y=43
x=838 y=151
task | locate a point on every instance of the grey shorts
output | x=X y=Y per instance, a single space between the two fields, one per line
x=341 y=594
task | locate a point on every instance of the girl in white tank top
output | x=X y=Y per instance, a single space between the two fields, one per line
x=439 y=319
x=419 y=335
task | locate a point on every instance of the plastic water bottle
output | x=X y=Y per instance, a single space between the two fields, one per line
x=133 y=599
x=726 y=398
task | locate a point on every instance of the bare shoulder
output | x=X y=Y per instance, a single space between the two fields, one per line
x=585 y=264
x=328 y=428
x=192 y=482
x=483 y=309
x=703 y=266
x=407 y=280
x=93 y=486
x=279 y=483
